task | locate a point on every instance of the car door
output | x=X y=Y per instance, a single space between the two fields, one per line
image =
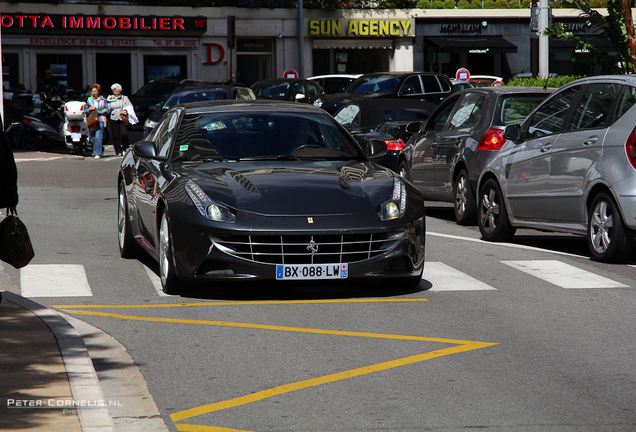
x=527 y=169
x=150 y=177
x=466 y=116
x=578 y=149
x=424 y=157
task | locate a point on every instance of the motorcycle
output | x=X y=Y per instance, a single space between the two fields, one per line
x=76 y=133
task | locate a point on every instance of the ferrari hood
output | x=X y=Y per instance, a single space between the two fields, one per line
x=296 y=188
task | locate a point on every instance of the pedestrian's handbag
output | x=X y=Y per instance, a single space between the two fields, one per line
x=15 y=244
x=124 y=118
x=93 y=120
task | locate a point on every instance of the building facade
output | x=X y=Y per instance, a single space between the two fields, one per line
x=131 y=45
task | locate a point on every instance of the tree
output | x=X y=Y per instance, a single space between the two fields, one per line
x=617 y=27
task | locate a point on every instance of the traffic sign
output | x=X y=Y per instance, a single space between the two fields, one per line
x=290 y=73
x=497 y=83
x=462 y=74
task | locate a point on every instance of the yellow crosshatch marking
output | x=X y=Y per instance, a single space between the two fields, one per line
x=459 y=346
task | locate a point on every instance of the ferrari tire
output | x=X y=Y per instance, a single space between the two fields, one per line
x=127 y=246
x=169 y=281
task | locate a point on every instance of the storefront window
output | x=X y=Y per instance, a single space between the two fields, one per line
x=66 y=70
x=163 y=66
x=254 y=60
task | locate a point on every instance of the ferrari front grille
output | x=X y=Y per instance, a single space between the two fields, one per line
x=309 y=249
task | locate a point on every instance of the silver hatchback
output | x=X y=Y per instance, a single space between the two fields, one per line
x=569 y=167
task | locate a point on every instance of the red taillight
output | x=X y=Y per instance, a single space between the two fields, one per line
x=492 y=140
x=76 y=128
x=630 y=148
x=394 y=144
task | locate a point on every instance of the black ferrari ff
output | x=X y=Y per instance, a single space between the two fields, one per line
x=255 y=190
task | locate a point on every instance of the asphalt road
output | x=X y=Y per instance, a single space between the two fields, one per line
x=529 y=336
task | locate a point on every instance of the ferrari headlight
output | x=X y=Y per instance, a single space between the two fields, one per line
x=208 y=208
x=396 y=206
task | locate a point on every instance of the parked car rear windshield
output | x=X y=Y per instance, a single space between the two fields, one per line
x=381 y=84
x=513 y=110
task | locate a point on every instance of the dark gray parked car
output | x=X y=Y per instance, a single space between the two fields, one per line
x=461 y=136
x=570 y=167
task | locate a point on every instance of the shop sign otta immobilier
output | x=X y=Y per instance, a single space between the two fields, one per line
x=366 y=28
x=22 y=23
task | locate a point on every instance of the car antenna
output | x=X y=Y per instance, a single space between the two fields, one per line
x=545 y=86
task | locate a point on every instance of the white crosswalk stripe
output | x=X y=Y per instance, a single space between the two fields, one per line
x=69 y=280
x=445 y=278
x=563 y=275
x=54 y=280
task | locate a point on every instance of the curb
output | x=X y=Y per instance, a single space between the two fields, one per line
x=79 y=367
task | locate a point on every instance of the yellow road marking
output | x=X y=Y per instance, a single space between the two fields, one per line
x=199 y=428
x=237 y=303
x=460 y=346
x=275 y=391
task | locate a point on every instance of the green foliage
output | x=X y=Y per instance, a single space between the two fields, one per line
x=475 y=4
x=424 y=4
x=489 y=4
x=526 y=4
x=540 y=82
x=501 y=4
x=514 y=4
x=463 y=4
x=611 y=28
x=449 y=4
x=438 y=4
x=596 y=4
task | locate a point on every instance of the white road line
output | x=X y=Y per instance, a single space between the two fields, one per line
x=156 y=282
x=446 y=278
x=563 y=275
x=54 y=280
x=510 y=245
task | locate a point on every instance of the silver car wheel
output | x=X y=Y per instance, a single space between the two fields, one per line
x=490 y=211
x=164 y=244
x=600 y=227
x=460 y=195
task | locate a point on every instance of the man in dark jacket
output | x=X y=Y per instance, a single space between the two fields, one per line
x=8 y=174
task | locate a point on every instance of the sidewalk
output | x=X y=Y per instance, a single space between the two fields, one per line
x=48 y=381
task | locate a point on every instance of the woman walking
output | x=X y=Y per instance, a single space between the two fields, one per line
x=99 y=103
x=118 y=129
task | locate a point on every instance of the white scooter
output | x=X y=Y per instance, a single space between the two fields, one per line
x=76 y=133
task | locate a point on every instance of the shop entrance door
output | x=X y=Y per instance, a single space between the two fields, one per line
x=156 y=67
x=111 y=69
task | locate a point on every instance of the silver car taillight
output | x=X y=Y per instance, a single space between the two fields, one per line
x=630 y=148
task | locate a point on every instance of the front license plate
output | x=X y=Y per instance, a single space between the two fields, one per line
x=312 y=271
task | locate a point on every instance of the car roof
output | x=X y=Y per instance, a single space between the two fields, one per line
x=335 y=76
x=510 y=89
x=264 y=105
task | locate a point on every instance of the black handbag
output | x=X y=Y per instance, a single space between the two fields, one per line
x=15 y=244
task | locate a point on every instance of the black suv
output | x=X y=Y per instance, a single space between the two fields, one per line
x=156 y=91
x=416 y=86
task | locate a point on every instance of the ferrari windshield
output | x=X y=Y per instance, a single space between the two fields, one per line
x=239 y=135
